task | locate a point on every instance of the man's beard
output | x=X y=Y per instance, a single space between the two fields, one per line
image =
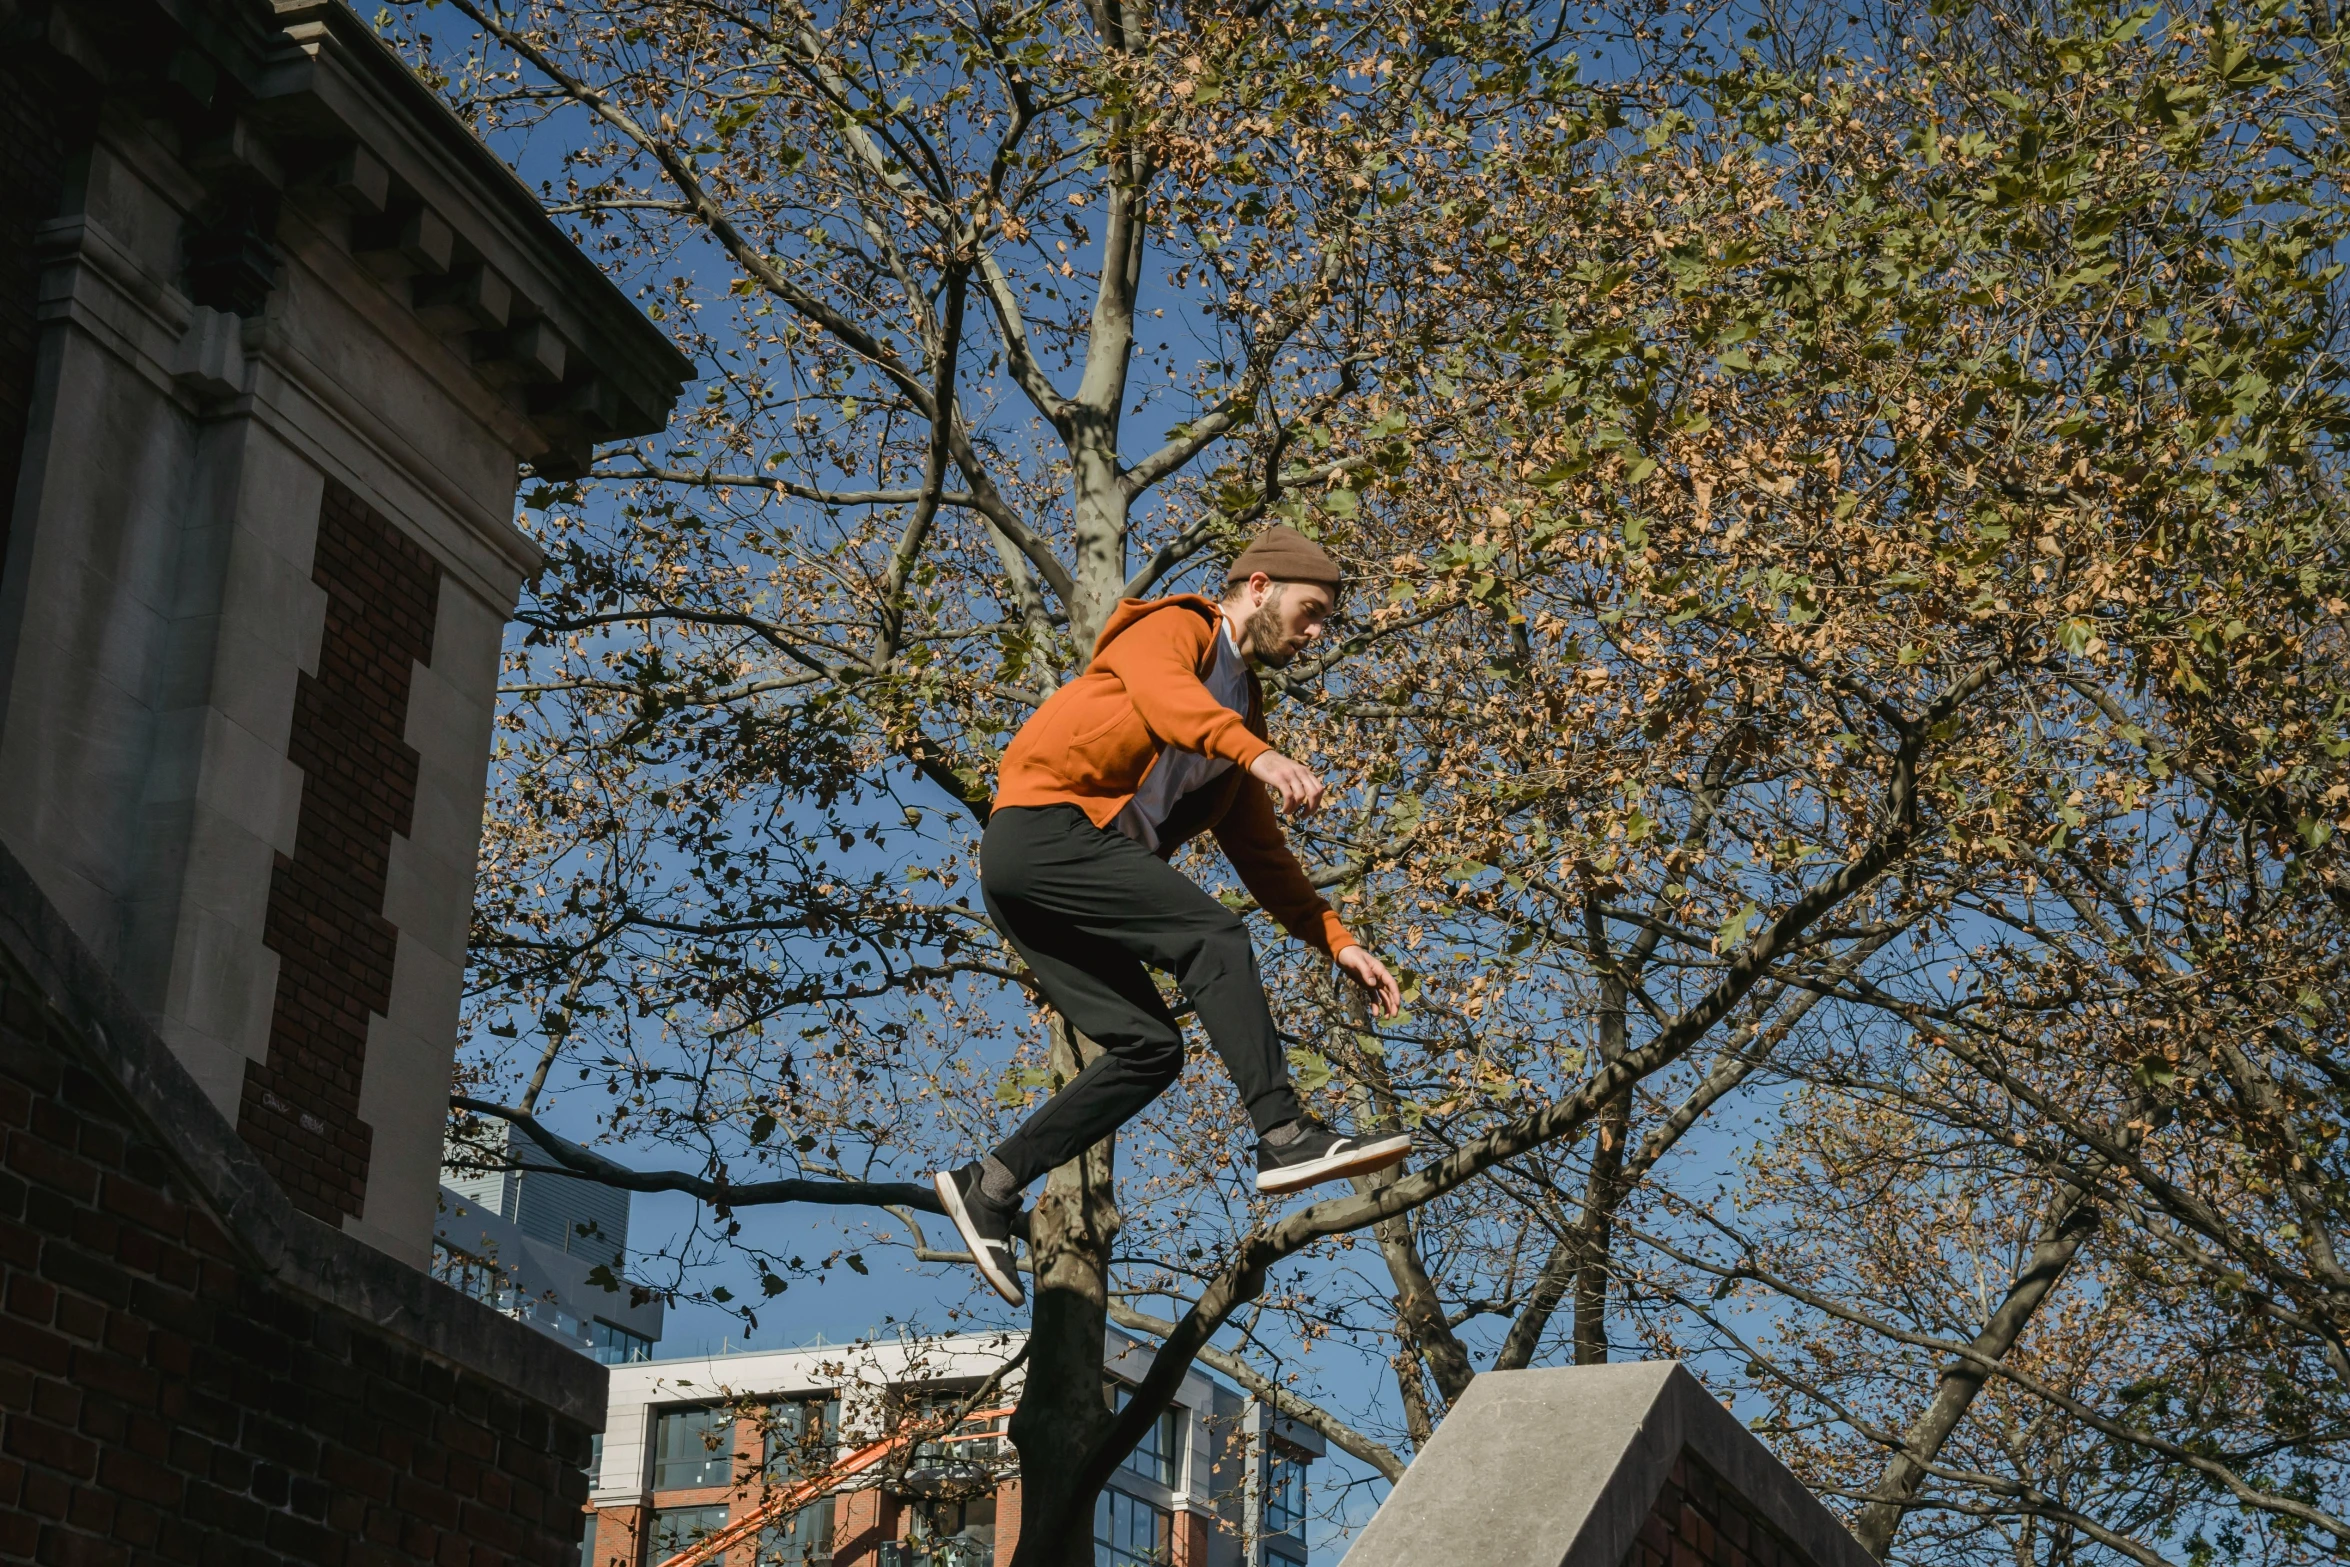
x=1267 y=639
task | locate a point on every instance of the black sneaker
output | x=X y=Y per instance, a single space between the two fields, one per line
x=986 y=1228
x=1317 y=1154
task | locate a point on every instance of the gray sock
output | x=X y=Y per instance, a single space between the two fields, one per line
x=1286 y=1133
x=996 y=1183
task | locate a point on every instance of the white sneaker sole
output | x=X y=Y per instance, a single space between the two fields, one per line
x=1368 y=1159
x=982 y=1254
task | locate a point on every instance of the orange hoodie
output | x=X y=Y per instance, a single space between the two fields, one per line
x=1094 y=739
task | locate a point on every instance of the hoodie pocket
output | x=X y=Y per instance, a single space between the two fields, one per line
x=1114 y=754
x=1086 y=736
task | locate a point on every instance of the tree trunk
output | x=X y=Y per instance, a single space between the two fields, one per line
x=1062 y=1414
x=1419 y=1314
x=2071 y=1220
x=1595 y=1235
x=1595 y=1232
x=1410 y=1389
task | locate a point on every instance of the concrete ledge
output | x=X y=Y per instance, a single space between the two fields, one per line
x=1559 y=1468
x=292 y=1248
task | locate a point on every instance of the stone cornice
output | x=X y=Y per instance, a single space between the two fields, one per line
x=279 y=104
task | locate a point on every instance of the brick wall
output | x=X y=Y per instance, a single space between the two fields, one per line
x=620 y=1536
x=861 y=1522
x=40 y=126
x=300 y=1110
x=1007 y=1521
x=1698 y=1521
x=168 y=1393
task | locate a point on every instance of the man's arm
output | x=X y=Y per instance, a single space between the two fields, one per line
x=1157 y=659
x=1253 y=841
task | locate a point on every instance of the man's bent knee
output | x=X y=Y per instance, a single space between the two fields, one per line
x=1158 y=1059
x=1224 y=949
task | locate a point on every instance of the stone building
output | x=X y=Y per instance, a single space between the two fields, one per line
x=276 y=333
x=692 y=1445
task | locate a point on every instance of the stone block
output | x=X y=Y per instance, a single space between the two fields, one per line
x=404 y=242
x=405 y=1097
x=268 y=636
x=429 y=897
x=278 y=491
x=225 y=979
x=210 y=357
x=1565 y=1467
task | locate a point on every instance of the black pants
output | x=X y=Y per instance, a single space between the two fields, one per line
x=1087 y=908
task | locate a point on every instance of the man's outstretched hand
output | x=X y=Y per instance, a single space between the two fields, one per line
x=1368 y=972
x=1295 y=788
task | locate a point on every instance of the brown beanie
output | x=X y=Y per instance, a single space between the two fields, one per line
x=1285 y=555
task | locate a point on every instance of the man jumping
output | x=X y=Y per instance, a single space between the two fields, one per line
x=1162 y=738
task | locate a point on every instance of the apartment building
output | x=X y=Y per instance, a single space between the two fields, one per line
x=545 y=1248
x=692 y=1446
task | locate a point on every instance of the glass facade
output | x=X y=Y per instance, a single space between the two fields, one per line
x=1159 y=1455
x=470 y=1275
x=693 y=1448
x=617 y=1346
x=1130 y=1532
x=493 y=1284
x=1285 y=1494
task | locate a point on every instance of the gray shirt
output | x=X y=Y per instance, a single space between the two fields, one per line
x=1177 y=771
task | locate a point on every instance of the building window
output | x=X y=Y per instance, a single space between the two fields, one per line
x=1158 y=1456
x=1275 y=1558
x=970 y=1442
x=1285 y=1494
x=693 y=1448
x=587 y=1539
x=945 y=1534
x=1130 y=1532
x=802 y=1437
x=802 y=1540
x=675 y=1528
x=617 y=1346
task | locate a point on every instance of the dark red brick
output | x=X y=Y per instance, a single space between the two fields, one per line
x=142 y=1205
x=71 y=1548
x=128 y=1474
x=300 y=1109
x=1699 y=1521
x=91 y=1510
x=51 y=1446
x=30 y=1299
x=46 y=1493
x=46 y=1165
